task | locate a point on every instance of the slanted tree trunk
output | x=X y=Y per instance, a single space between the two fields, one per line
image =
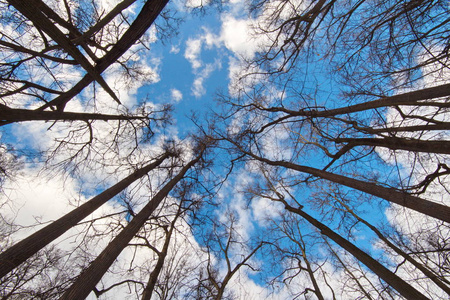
x=413 y=98
x=395 y=143
x=385 y=274
x=413 y=128
x=152 y=280
x=432 y=209
x=149 y=288
x=11 y=115
x=21 y=251
x=140 y=25
x=309 y=269
x=88 y=279
x=399 y=251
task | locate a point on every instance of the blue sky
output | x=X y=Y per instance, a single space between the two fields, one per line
x=177 y=74
x=188 y=71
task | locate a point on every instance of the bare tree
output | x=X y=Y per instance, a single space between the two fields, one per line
x=385 y=274
x=295 y=246
x=358 y=36
x=317 y=152
x=20 y=252
x=80 y=30
x=223 y=243
x=90 y=277
x=52 y=69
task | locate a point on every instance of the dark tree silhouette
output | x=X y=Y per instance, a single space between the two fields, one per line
x=334 y=160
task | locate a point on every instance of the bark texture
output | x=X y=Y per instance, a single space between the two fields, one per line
x=89 y=278
x=21 y=251
x=385 y=274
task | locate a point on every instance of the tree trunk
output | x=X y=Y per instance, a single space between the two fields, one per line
x=385 y=274
x=399 y=251
x=11 y=115
x=394 y=143
x=433 y=209
x=143 y=21
x=21 y=251
x=87 y=280
x=148 y=291
x=410 y=98
x=149 y=288
x=414 y=128
x=310 y=271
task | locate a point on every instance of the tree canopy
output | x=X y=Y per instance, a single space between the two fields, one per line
x=318 y=168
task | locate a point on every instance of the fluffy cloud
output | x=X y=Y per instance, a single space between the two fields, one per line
x=32 y=197
x=176 y=95
x=198 y=88
x=174 y=49
x=237 y=37
x=201 y=70
x=265 y=209
x=196 y=3
x=192 y=52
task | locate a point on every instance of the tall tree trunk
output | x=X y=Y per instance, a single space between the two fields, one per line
x=409 y=98
x=87 y=280
x=11 y=115
x=385 y=274
x=150 y=287
x=29 y=246
x=395 y=143
x=310 y=271
x=433 y=209
x=31 y=10
x=140 y=25
x=399 y=251
x=412 y=128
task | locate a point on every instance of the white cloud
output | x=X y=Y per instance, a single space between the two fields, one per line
x=273 y=144
x=33 y=197
x=196 y=3
x=174 y=49
x=265 y=209
x=245 y=37
x=176 y=95
x=201 y=70
x=236 y=36
x=192 y=52
x=198 y=88
x=211 y=40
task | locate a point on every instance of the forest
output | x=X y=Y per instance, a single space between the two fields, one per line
x=209 y=149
